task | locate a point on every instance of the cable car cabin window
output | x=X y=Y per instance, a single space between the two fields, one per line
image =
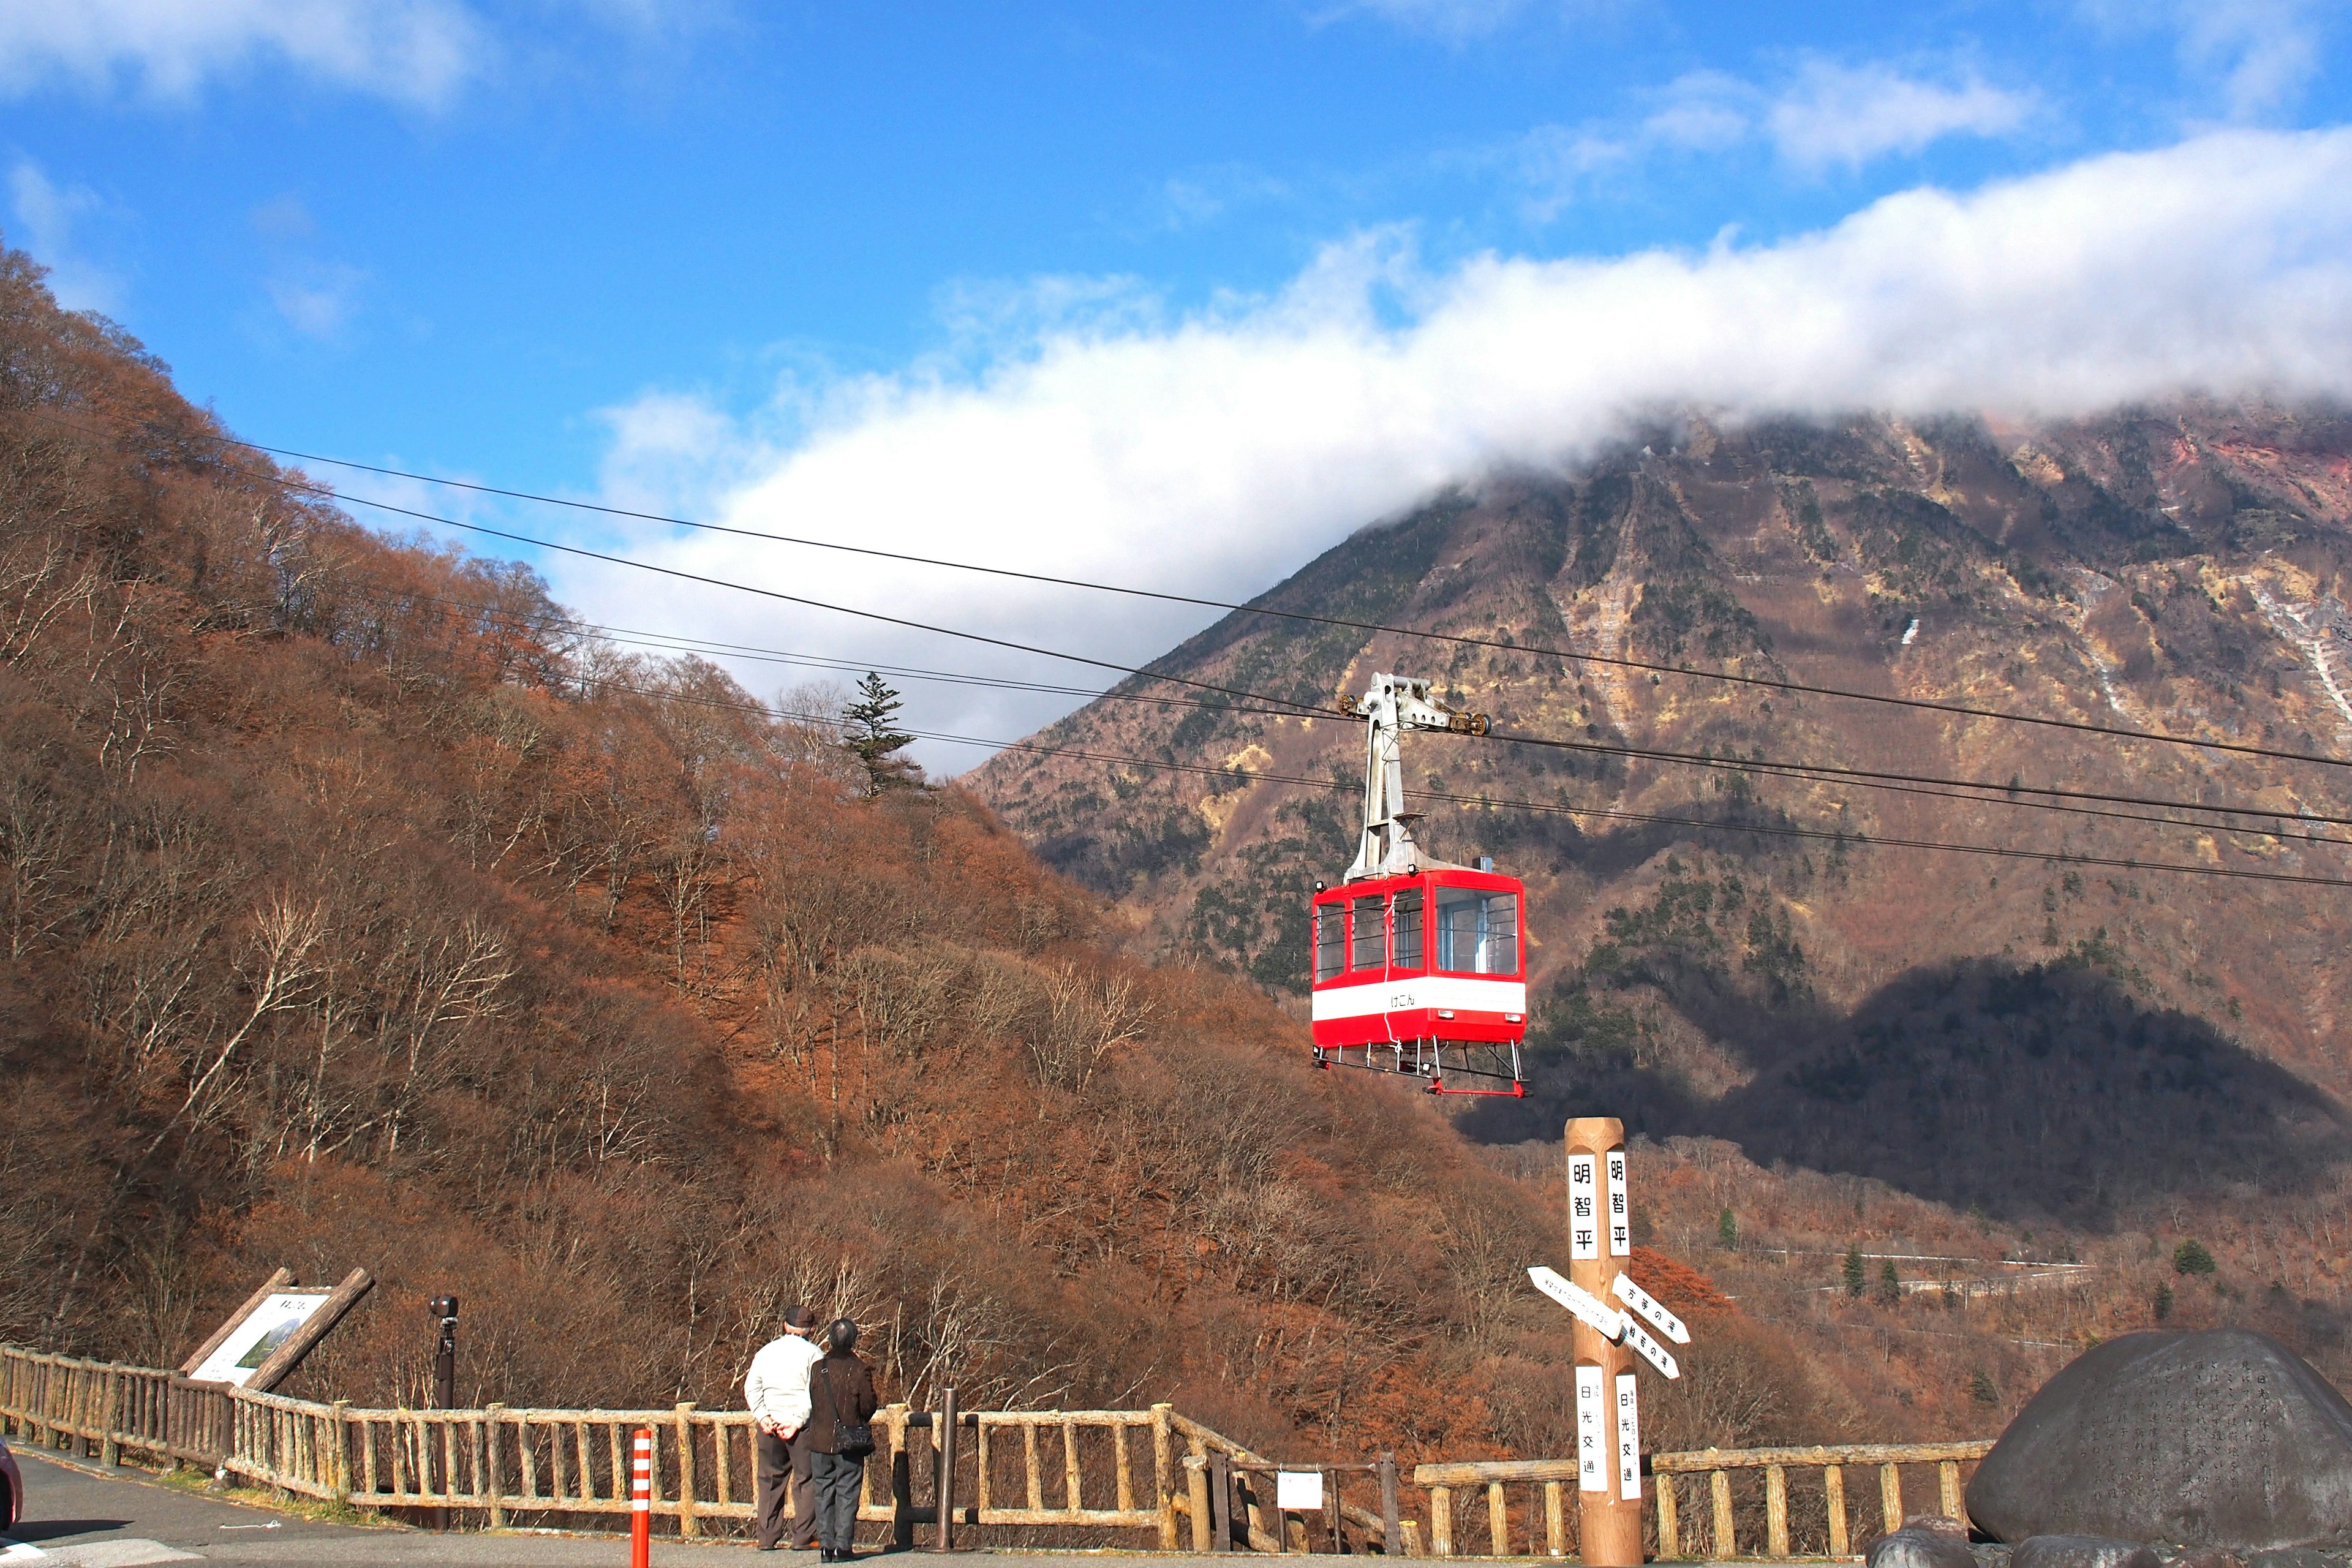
x=1477 y=934
x=1371 y=933
x=1331 y=939
x=1405 y=949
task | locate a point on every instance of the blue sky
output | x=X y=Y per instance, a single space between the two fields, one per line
x=868 y=271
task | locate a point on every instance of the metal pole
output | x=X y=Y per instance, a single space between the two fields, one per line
x=641 y=1501
x=943 y=1484
x=1609 y=1524
x=445 y=1389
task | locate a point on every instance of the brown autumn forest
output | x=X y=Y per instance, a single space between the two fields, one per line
x=359 y=911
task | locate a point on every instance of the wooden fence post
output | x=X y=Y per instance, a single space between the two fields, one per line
x=943 y=1448
x=689 y=1525
x=1441 y=1522
x=902 y=1481
x=1163 y=1474
x=1393 y=1536
x=110 y=1452
x=487 y=1478
x=1776 y=1510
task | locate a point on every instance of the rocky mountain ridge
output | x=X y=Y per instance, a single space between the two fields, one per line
x=2031 y=1035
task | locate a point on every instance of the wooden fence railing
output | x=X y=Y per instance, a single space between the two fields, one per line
x=1080 y=1470
x=1773 y=1467
x=1728 y=1478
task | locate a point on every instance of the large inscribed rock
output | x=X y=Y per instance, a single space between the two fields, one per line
x=2225 y=1438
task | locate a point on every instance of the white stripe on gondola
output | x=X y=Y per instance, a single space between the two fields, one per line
x=1461 y=993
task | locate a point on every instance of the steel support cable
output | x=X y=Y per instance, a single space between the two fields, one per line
x=1994 y=793
x=1140 y=671
x=1294 y=708
x=1556 y=808
x=1798 y=687
x=1899 y=784
x=677 y=642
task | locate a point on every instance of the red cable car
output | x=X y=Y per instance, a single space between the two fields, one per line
x=1420 y=965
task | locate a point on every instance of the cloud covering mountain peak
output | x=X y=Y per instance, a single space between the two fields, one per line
x=1213 y=452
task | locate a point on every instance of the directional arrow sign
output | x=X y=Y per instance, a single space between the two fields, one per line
x=1646 y=1305
x=1588 y=1307
x=1650 y=1349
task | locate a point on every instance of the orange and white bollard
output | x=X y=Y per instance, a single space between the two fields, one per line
x=641 y=1501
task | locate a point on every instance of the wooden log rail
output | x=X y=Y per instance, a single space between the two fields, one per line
x=1700 y=1497
x=1029 y=1470
x=1551 y=1503
x=1714 y=1470
x=1257 y=1522
x=1019 y=1471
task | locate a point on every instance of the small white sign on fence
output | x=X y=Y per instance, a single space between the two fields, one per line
x=1301 y=1490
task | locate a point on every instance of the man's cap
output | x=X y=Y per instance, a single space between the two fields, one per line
x=799 y=1318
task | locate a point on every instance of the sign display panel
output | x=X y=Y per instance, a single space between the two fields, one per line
x=1621 y=1222
x=1300 y=1490
x=1584 y=1208
x=1629 y=1439
x=237 y=1358
x=1591 y=1424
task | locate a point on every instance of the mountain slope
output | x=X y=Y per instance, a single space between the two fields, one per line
x=2046 y=1039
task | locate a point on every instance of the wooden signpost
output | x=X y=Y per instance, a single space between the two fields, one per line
x=264 y=1340
x=1611 y=1312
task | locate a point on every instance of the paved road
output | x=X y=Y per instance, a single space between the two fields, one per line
x=89 y=1516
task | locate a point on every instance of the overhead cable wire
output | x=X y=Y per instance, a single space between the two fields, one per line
x=1620 y=661
x=678 y=642
x=1140 y=671
x=2001 y=795
x=1561 y=809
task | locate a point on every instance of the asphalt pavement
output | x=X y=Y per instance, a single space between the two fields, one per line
x=93 y=1516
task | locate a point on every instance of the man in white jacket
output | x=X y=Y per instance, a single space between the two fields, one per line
x=776 y=1393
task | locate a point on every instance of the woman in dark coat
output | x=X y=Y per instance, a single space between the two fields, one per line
x=841 y=1394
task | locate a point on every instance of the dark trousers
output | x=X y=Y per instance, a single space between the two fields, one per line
x=786 y=1464
x=838 y=1480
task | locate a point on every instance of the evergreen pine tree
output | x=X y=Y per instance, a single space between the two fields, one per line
x=1726 y=1228
x=876 y=741
x=1890 y=1286
x=1856 y=1281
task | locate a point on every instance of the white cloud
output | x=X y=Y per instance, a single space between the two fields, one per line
x=417 y=51
x=1216 y=453
x=1821 y=114
x=317 y=300
x=46 y=217
x=2263 y=51
x=1838 y=115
